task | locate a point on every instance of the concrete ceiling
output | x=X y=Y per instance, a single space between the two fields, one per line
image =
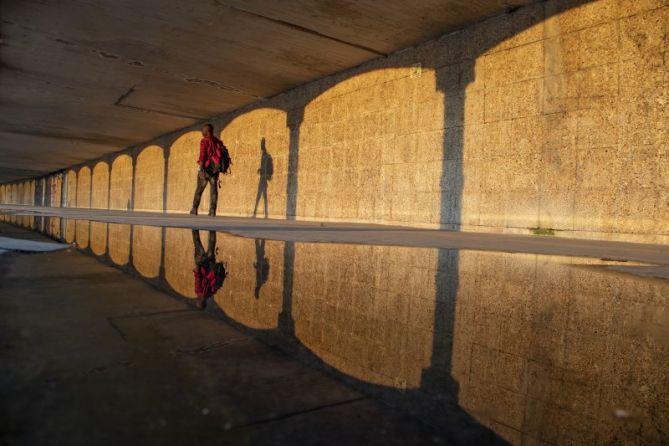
x=81 y=78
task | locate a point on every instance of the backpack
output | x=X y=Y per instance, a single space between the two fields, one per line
x=220 y=274
x=226 y=161
x=221 y=162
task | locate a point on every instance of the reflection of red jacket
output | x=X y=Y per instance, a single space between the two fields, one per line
x=205 y=282
x=211 y=149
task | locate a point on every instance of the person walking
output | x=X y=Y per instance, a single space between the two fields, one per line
x=214 y=159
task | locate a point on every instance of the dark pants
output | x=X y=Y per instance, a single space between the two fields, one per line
x=202 y=256
x=202 y=180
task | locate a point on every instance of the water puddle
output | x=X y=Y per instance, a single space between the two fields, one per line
x=531 y=347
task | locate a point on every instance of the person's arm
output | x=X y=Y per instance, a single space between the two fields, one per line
x=203 y=149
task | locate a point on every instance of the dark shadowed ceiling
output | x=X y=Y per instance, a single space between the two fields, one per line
x=81 y=78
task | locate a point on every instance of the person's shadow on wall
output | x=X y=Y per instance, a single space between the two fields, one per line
x=261 y=266
x=265 y=172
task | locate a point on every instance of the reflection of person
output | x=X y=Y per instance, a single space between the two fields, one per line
x=211 y=157
x=209 y=274
x=261 y=266
x=266 y=170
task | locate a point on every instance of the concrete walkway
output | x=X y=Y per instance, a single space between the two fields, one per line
x=352 y=233
x=91 y=356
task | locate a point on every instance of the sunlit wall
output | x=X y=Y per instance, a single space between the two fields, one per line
x=552 y=117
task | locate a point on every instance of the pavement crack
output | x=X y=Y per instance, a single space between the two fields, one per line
x=300 y=412
x=116 y=328
x=125 y=95
x=302 y=29
x=209 y=347
x=111 y=319
x=151 y=313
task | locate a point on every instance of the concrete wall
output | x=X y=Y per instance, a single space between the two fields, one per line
x=551 y=117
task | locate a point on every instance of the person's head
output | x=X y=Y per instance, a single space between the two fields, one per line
x=207 y=130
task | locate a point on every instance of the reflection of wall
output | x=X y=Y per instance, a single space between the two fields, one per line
x=536 y=348
x=237 y=297
x=119 y=243
x=179 y=262
x=146 y=250
x=83 y=201
x=99 y=200
x=541 y=348
x=70 y=201
x=549 y=350
x=28 y=199
x=368 y=311
x=55 y=190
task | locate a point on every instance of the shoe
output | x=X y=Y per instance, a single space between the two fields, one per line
x=193 y=212
x=212 y=213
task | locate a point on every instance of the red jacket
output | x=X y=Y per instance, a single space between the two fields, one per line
x=205 y=282
x=211 y=149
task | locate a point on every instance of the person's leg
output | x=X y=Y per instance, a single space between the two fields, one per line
x=258 y=195
x=201 y=184
x=211 y=245
x=199 y=249
x=213 y=194
x=264 y=194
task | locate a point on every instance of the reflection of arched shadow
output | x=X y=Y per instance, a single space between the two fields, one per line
x=261 y=266
x=265 y=172
x=209 y=274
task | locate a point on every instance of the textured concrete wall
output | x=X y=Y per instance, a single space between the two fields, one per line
x=55 y=192
x=182 y=171
x=248 y=185
x=70 y=200
x=550 y=117
x=533 y=347
x=373 y=317
x=254 y=296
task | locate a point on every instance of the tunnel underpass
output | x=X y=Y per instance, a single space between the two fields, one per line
x=444 y=222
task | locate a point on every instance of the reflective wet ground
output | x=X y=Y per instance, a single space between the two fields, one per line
x=561 y=350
